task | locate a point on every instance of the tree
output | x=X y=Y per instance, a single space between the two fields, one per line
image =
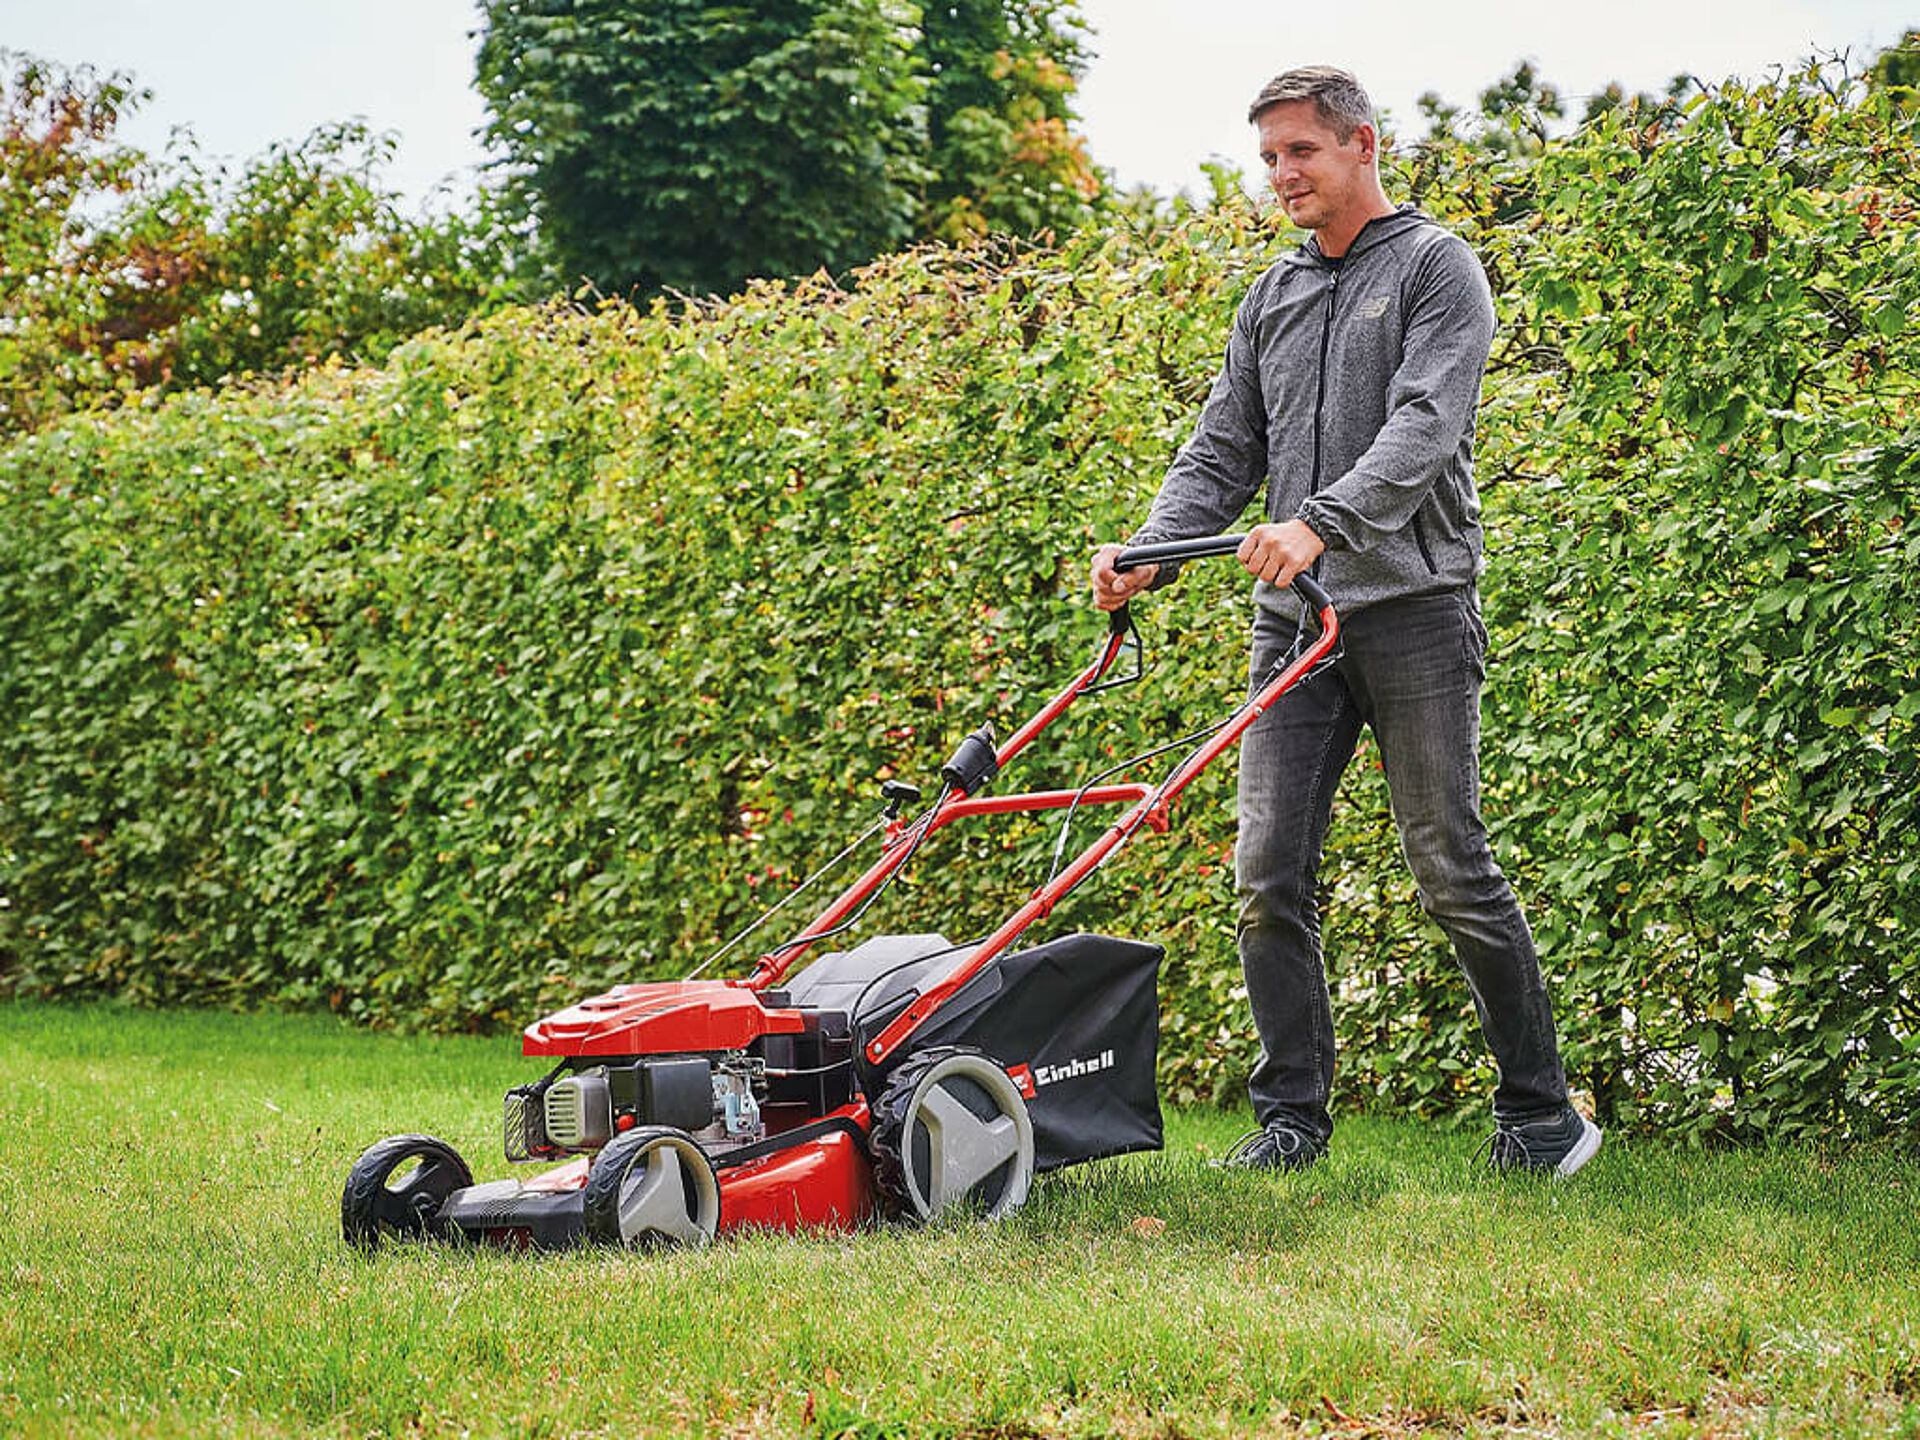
x=690 y=145
x=120 y=272
x=999 y=116
x=57 y=158
x=1896 y=70
x=1517 y=114
x=1482 y=163
x=300 y=255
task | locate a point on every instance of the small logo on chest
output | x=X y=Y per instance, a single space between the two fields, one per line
x=1373 y=308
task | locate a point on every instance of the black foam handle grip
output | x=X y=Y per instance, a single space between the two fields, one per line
x=1169 y=551
x=1162 y=551
x=1312 y=591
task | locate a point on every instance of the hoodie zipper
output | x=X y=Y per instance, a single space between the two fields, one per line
x=1326 y=339
x=1320 y=397
x=1320 y=401
x=1320 y=394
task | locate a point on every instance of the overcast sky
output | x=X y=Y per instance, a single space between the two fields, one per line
x=1167 y=89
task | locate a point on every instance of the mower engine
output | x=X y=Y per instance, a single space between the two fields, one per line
x=715 y=1099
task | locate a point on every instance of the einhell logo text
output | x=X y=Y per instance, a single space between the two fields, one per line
x=1031 y=1078
x=1047 y=1074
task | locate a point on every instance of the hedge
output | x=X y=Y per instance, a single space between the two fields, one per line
x=540 y=658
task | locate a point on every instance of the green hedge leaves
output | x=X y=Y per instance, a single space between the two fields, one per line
x=542 y=657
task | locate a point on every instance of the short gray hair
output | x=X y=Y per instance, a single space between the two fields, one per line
x=1337 y=97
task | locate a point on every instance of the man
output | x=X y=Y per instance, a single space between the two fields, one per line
x=1352 y=373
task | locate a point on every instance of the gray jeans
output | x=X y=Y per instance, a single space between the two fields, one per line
x=1411 y=671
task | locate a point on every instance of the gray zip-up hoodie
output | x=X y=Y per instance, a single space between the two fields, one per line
x=1350 y=390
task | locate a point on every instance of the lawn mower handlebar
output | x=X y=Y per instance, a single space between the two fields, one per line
x=1167 y=551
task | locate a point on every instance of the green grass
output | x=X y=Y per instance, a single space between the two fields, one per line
x=170 y=1265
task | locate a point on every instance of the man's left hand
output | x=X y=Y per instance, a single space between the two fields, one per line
x=1276 y=553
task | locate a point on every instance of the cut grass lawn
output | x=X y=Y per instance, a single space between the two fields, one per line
x=170 y=1264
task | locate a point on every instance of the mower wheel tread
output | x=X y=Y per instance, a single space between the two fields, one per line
x=369 y=1208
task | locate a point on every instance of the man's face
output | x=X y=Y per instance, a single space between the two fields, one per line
x=1317 y=178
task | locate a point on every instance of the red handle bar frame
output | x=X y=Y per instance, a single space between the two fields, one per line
x=1149 y=807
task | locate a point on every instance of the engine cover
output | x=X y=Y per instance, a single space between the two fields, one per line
x=665 y=1018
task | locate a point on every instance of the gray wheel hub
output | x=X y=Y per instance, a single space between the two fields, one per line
x=951 y=1149
x=653 y=1187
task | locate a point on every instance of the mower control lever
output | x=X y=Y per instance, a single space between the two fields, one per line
x=898 y=794
x=1173 y=551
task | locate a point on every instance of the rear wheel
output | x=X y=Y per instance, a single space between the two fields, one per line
x=652 y=1186
x=397 y=1187
x=951 y=1129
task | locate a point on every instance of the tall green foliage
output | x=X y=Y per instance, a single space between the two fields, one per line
x=58 y=156
x=124 y=274
x=1715 y=608
x=299 y=255
x=541 y=657
x=1897 y=70
x=690 y=146
x=1003 y=155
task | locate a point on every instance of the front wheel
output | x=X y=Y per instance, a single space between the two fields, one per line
x=397 y=1187
x=652 y=1186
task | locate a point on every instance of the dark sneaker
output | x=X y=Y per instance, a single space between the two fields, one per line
x=1558 y=1145
x=1274 y=1146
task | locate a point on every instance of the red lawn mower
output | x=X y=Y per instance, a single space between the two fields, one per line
x=904 y=1076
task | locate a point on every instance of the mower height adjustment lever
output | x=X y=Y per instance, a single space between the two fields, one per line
x=898 y=794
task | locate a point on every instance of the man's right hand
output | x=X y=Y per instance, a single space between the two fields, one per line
x=1113 y=588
